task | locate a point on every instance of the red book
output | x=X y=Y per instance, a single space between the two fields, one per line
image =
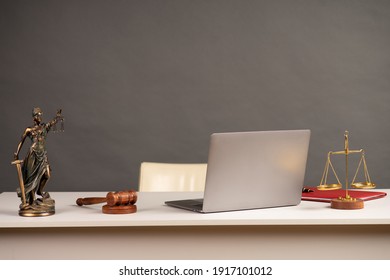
x=326 y=196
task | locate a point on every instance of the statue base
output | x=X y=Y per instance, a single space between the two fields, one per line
x=35 y=213
x=40 y=208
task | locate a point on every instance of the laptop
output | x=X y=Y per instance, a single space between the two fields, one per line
x=252 y=170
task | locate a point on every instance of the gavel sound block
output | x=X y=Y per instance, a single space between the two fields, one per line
x=117 y=202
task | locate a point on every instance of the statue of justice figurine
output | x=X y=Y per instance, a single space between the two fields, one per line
x=34 y=170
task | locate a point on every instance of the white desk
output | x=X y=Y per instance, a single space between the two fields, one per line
x=311 y=230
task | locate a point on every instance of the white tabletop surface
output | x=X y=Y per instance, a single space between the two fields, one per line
x=153 y=212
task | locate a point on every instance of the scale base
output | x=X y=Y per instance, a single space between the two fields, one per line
x=347 y=203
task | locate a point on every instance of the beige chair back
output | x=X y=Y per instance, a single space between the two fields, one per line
x=167 y=177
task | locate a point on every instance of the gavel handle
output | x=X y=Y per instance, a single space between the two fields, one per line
x=90 y=200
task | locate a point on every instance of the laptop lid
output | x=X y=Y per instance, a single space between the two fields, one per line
x=259 y=169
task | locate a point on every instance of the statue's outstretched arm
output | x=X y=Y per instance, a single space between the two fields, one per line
x=56 y=119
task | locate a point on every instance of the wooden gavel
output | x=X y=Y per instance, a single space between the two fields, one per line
x=121 y=202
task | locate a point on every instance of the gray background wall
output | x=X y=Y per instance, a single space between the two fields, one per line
x=151 y=80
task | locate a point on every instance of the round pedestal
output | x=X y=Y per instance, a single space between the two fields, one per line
x=40 y=208
x=347 y=203
x=121 y=209
x=36 y=213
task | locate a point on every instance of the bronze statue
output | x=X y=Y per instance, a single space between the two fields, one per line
x=34 y=170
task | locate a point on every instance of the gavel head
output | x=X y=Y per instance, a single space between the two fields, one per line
x=121 y=198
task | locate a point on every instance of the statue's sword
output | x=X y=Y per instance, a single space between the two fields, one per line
x=18 y=164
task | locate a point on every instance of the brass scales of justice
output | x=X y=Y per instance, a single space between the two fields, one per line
x=346 y=202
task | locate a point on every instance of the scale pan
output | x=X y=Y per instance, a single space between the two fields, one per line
x=363 y=185
x=329 y=187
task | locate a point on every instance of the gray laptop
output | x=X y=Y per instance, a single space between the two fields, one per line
x=251 y=170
